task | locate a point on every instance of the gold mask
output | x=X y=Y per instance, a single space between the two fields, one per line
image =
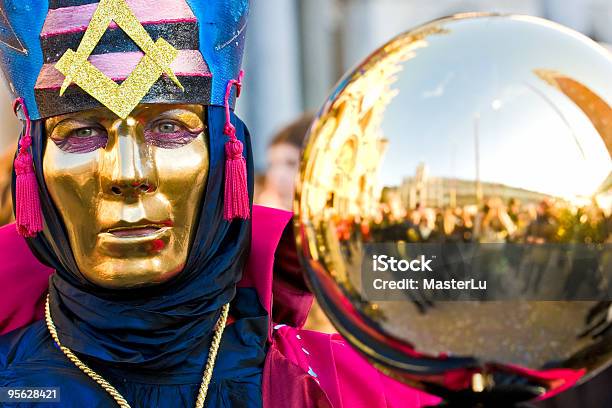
x=128 y=190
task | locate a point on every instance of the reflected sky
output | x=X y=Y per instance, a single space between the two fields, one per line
x=530 y=135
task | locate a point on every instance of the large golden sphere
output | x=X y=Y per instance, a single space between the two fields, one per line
x=481 y=133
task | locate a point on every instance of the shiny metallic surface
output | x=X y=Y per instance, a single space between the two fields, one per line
x=472 y=129
x=128 y=190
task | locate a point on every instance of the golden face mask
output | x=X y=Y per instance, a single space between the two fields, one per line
x=128 y=190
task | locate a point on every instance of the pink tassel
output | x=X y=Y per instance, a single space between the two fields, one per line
x=236 y=198
x=236 y=193
x=28 y=213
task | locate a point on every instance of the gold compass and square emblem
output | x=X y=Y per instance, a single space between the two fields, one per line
x=119 y=98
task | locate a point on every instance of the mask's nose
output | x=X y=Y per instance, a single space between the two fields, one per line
x=128 y=168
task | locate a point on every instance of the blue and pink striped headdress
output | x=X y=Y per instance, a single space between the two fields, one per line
x=64 y=56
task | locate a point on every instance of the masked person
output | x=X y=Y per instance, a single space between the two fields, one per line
x=133 y=186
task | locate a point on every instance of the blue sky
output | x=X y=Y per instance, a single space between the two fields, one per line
x=487 y=71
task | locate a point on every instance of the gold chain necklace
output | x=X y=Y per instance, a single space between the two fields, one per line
x=208 y=370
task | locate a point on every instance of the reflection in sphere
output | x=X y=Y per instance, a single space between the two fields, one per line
x=485 y=142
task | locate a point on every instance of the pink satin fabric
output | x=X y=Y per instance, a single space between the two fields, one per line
x=23 y=282
x=348 y=380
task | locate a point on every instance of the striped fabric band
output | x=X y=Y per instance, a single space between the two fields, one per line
x=182 y=36
x=76 y=18
x=116 y=55
x=119 y=66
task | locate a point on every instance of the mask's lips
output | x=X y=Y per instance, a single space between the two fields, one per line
x=135 y=231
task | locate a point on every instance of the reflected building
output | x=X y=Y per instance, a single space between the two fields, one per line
x=351 y=143
x=438 y=192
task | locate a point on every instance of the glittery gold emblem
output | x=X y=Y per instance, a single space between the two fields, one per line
x=121 y=99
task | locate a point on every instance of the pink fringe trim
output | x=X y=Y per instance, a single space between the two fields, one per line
x=28 y=213
x=236 y=198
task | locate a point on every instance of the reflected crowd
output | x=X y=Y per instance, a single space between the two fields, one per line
x=496 y=221
x=546 y=250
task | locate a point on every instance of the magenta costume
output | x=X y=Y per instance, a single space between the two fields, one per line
x=303 y=368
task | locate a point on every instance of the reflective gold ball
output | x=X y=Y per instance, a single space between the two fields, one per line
x=472 y=151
